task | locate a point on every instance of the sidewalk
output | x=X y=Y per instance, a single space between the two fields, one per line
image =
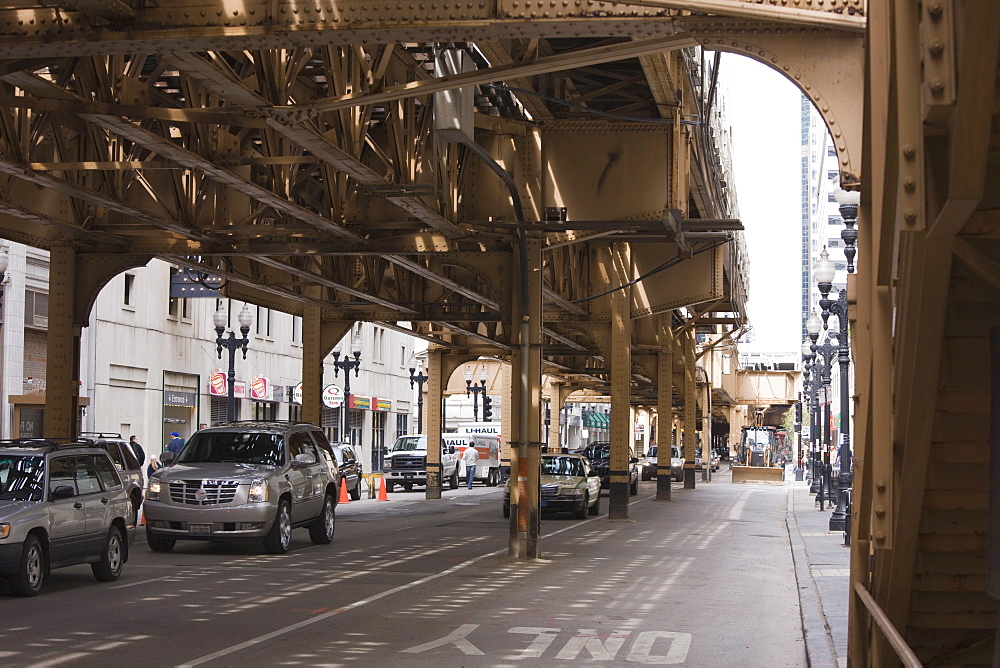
x=822 y=569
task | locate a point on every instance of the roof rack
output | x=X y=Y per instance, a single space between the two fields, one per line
x=50 y=443
x=101 y=434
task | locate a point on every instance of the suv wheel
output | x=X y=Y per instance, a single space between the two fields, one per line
x=581 y=512
x=27 y=581
x=633 y=488
x=280 y=536
x=356 y=492
x=112 y=557
x=321 y=531
x=157 y=544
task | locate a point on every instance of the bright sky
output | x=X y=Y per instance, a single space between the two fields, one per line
x=764 y=112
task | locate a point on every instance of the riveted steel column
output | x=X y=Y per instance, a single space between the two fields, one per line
x=621 y=373
x=312 y=366
x=664 y=409
x=433 y=424
x=706 y=421
x=690 y=407
x=526 y=401
x=62 y=365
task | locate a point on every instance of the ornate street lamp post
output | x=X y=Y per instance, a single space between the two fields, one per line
x=347 y=364
x=475 y=389
x=232 y=344
x=807 y=357
x=418 y=376
x=813 y=326
x=824 y=355
x=824 y=272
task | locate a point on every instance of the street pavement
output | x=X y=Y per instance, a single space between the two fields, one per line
x=722 y=575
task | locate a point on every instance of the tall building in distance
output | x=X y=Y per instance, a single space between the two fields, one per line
x=821 y=220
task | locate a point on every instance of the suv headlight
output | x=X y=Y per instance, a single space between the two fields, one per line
x=153 y=491
x=570 y=491
x=258 y=491
x=4 y=530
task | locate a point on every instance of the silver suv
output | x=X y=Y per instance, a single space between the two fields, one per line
x=245 y=481
x=61 y=504
x=128 y=465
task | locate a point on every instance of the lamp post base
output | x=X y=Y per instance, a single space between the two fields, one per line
x=838 y=519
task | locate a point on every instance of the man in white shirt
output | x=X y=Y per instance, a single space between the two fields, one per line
x=471 y=459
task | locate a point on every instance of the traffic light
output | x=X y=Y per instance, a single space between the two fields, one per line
x=487 y=408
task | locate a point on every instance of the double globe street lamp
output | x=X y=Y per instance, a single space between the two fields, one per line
x=220 y=320
x=475 y=389
x=418 y=376
x=347 y=364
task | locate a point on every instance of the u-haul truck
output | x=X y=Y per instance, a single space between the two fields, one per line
x=488 y=446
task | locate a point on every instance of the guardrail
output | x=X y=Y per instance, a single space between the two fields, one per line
x=897 y=642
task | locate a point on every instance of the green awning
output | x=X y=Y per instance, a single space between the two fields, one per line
x=596 y=421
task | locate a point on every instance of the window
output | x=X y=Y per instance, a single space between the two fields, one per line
x=300 y=444
x=36 y=309
x=107 y=473
x=831 y=197
x=218 y=410
x=263 y=321
x=177 y=307
x=402 y=426
x=129 y=285
x=295 y=413
x=296 y=329
x=266 y=411
x=403 y=357
x=834 y=220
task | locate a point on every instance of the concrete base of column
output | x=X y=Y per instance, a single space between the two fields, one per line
x=433 y=486
x=663 y=488
x=618 y=501
x=689 y=478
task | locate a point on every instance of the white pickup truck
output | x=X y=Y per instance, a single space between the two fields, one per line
x=406 y=463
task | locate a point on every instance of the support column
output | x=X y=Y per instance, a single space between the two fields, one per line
x=690 y=407
x=621 y=373
x=664 y=408
x=312 y=365
x=557 y=396
x=706 y=421
x=62 y=365
x=433 y=423
x=526 y=401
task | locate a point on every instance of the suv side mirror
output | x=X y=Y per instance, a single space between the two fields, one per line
x=305 y=459
x=167 y=458
x=63 y=492
x=634 y=460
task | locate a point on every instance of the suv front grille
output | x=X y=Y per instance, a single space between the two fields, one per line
x=408 y=463
x=203 y=492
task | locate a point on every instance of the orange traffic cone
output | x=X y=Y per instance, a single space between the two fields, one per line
x=343 y=494
x=382 y=496
x=142 y=518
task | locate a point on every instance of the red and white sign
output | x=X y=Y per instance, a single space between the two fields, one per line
x=333 y=396
x=260 y=388
x=217 y=385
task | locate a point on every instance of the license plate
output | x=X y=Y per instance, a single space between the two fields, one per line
x=407 y=475
x=200 y=529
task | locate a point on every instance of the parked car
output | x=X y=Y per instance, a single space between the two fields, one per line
x=245 y=481
x=124 y=459
x=350 y=468
x=716 y=460
x=599 y=454
x=647 y=468
x=676 y=464
x=61 y=504
x=568 y=484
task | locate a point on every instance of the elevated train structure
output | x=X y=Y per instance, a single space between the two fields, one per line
x=326 y=160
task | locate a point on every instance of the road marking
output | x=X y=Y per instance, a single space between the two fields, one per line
x=371 y=599
x=456 y=638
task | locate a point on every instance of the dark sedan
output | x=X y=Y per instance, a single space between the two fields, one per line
x=599 y=454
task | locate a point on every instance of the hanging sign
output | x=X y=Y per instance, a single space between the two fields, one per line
x=260 y=389
x=333 y=396
x=297 y=394
x=217 y=384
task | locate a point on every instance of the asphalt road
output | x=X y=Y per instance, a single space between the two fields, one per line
x=703 y=580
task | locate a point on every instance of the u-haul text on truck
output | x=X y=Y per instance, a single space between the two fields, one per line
x=488 y=446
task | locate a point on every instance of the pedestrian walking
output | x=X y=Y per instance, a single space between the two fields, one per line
x=137 y=450
x=154 y=465
x=471 y=458
x=176 y=443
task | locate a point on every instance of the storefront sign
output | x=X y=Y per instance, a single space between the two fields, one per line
x=185 y=399
x=240 y=389
x=381 y=404
x=217 y=384
x=333 y=396
x=361 y=403
x=297 y=394
x=260 y=389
